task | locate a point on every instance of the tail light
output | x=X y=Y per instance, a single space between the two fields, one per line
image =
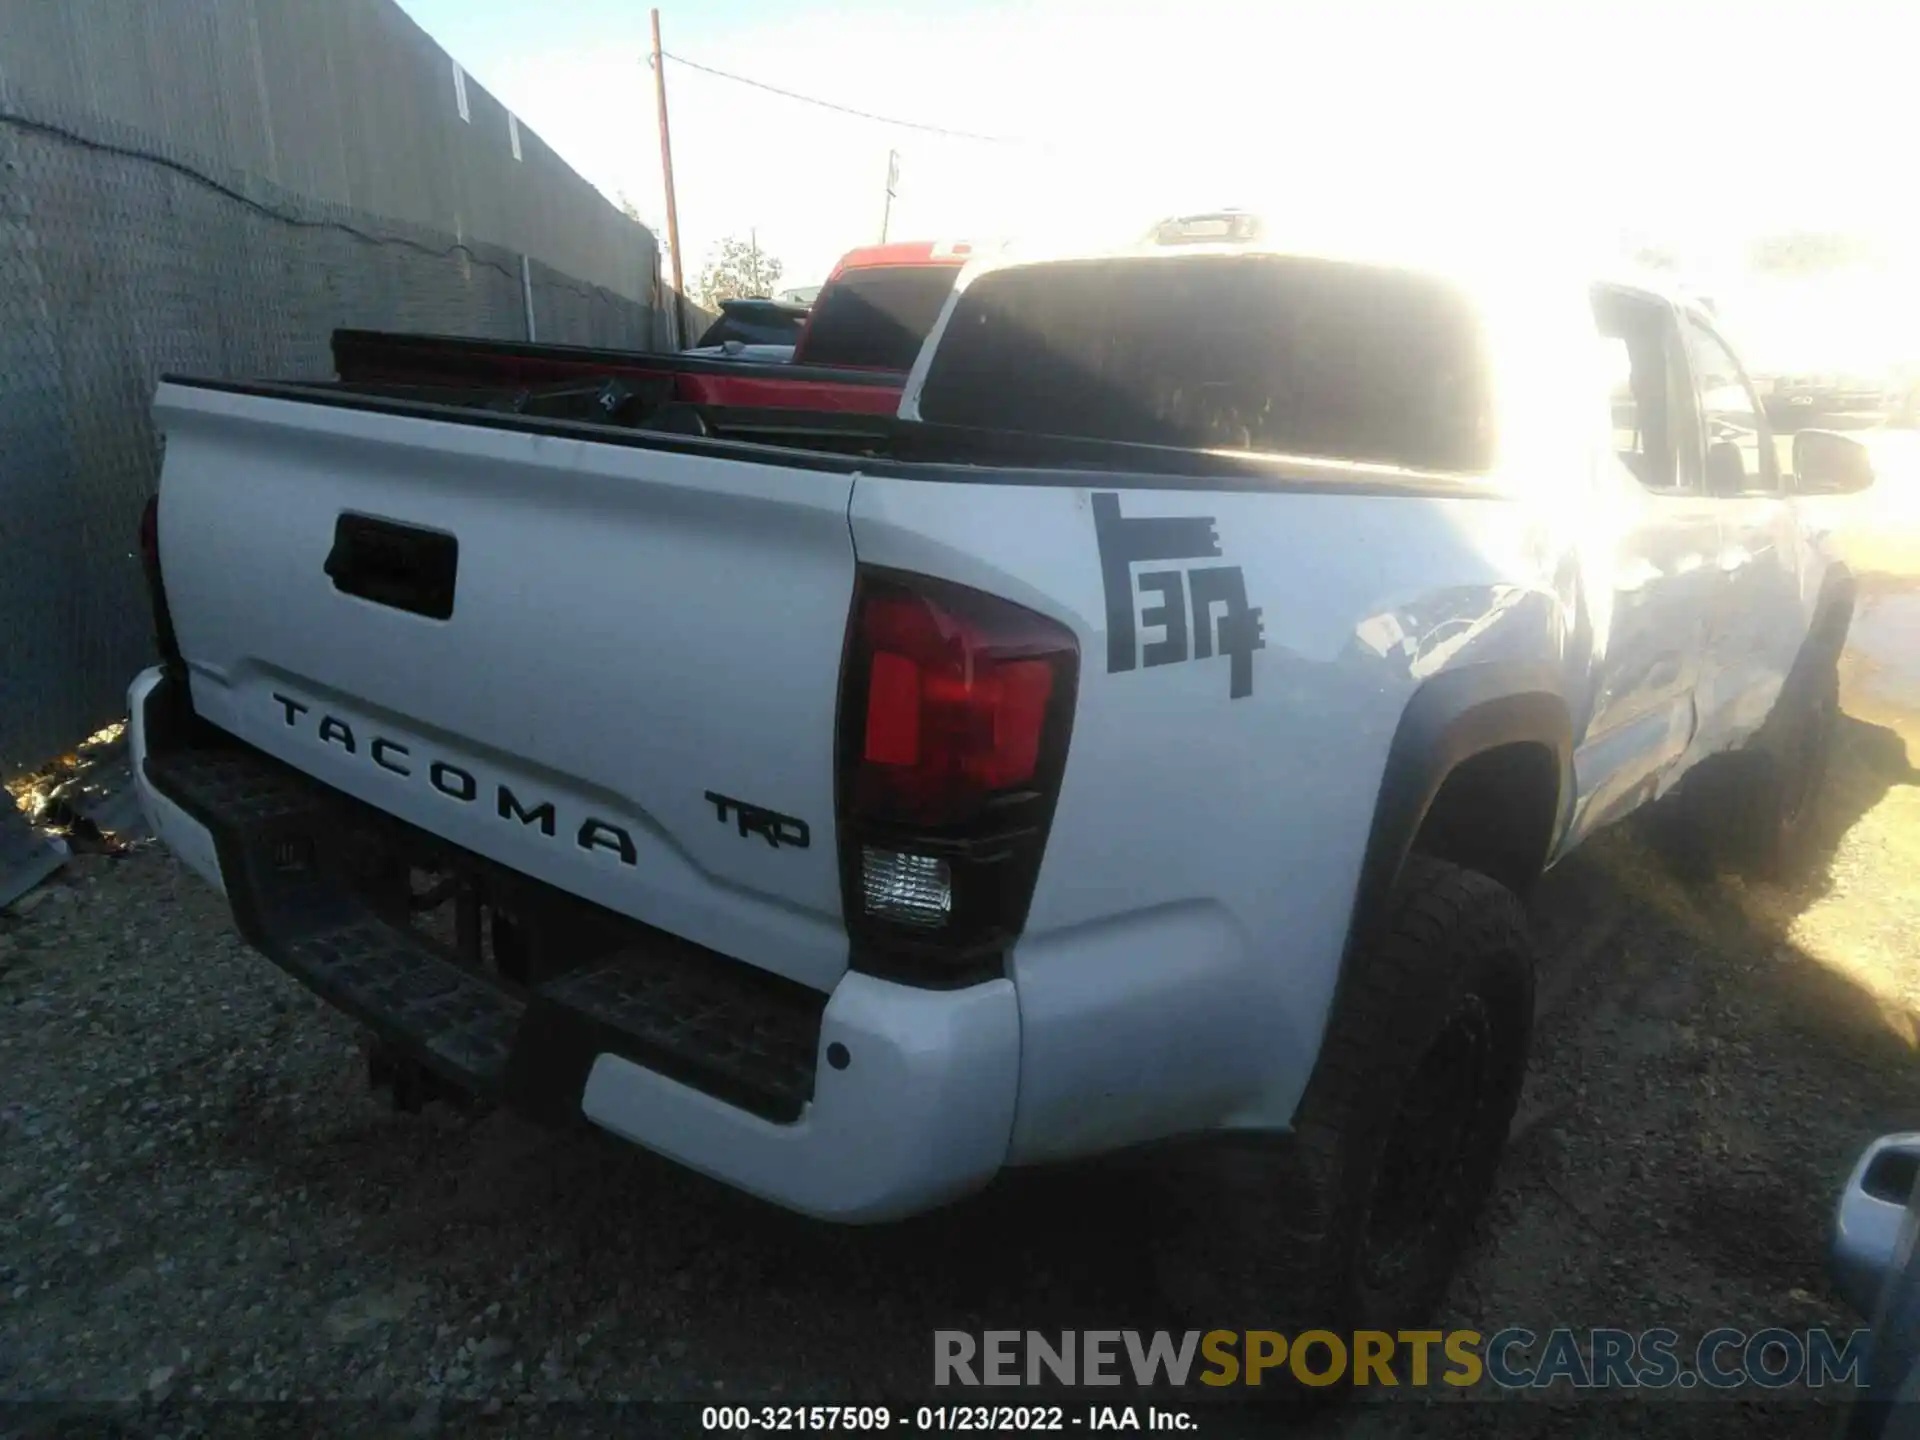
x=954 y=715
x=163 y=635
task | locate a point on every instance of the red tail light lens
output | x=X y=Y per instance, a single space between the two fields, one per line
x=955 y=711
x=958 y=693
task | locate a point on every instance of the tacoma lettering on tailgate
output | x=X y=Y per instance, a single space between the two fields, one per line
x=458 y=783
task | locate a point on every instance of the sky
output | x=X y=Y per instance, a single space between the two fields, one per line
x=1557 y=124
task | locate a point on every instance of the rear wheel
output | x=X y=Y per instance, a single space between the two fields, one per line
x=1357 y=1220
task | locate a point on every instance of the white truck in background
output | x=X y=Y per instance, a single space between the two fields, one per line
x=1142 y=742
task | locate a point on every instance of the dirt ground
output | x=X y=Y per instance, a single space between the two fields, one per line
x=1711 y=1058
x=201 y=1203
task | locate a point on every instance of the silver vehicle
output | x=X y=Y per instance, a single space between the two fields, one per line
x=1878 y=1274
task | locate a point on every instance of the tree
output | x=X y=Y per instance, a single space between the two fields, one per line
x=623 y=202
x=738 y=269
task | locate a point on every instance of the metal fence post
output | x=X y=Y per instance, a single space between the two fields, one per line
x=526 y=289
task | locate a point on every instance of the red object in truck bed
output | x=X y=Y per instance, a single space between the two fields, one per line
x=384 y=358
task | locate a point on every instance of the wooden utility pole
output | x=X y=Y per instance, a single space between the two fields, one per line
x=893 y=179
x=666 y=171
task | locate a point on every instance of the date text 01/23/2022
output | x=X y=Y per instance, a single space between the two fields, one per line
x=977 y=1419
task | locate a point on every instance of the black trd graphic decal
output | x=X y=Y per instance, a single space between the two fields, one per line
x=1188 y=599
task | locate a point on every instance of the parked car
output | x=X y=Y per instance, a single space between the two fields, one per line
x=1142 y=745
x=740 y=350
x=1798 y=394
x=755 y=322
x=1877 y=1271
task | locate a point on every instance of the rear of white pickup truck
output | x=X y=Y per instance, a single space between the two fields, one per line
x=854 y=816
x=592 y=692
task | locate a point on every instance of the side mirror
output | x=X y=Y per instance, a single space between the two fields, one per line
x=1826 y=462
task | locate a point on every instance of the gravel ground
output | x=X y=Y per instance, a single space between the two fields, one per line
x=201 y=1202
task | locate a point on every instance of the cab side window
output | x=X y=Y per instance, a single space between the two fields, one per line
x=1650 y=395
x=1630 y=440
x=1739 y=446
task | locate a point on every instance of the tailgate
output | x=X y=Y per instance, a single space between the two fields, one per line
x=609 y=667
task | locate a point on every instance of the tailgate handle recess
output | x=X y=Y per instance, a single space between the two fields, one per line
x=400 y=566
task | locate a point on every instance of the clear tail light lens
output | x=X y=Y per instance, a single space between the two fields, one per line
x=908 y=889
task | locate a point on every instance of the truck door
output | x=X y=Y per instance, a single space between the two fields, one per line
x=1758 y=630
x=1651 y=585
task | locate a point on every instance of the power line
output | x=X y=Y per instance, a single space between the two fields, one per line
x=843 y=109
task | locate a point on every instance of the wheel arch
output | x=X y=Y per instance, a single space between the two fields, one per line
x=1453 y=726
x=1481 y=727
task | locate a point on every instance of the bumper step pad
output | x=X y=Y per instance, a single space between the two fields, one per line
x=750 y=1044
x=286 y=844
x=459 y=1023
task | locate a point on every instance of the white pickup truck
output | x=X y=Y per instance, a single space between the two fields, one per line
x=1142 y=742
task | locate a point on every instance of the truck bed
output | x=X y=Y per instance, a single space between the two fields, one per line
x=599 y=405
x=375 y=357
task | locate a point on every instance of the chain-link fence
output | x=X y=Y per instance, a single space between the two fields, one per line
x=126 y=254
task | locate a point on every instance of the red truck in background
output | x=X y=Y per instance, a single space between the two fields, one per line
x=879 y=304
x=861 y=337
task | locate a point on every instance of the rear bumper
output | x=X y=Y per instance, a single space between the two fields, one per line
x=185 y=836
x=901 y=1098
x=921 y=1114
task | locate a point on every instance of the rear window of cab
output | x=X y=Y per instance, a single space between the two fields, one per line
x=1257 y=353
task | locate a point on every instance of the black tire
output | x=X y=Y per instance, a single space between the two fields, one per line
x=1775 y=838
x=1357 y=1220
